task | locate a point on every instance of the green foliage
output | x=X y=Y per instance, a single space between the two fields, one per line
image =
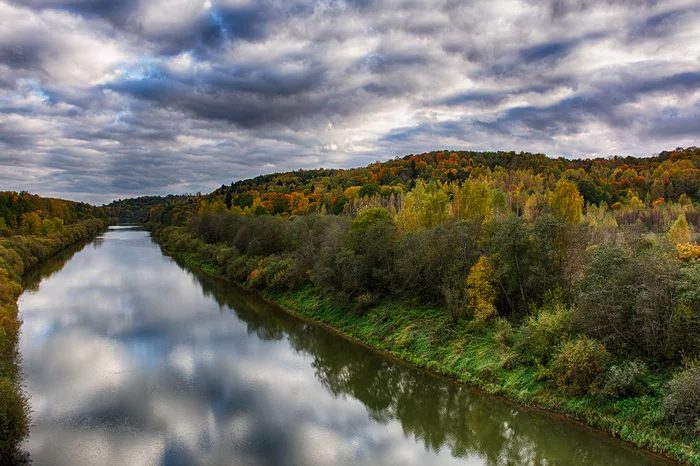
x=544 y=330
x=424 y=207
x=626 y=380
x=579 y=366
x=511 y=247
x=30 y=223
x=49 y=226
x=14 y=422
x=681 y=403
x=24 y=213
x=368 y=218
x=629 y=299
x=504 y=333
x=365 y=300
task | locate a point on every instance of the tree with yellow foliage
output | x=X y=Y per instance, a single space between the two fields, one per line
x=680 y=231
x=481 y=290
x=567 y=202
x=30 y=223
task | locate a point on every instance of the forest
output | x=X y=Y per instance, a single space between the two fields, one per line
x=573 y=285
x=32 y=229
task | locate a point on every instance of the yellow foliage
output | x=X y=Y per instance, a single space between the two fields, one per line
x=688 y=251
x=481 y=292
x=567 y=202
x=680 y=231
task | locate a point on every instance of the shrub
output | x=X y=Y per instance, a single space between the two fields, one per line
x=240 y=267
x=504 y=333
x=626 y=380
x=283 y=273
x=681 y=402
x=579 y=366
x=365 y=300
x=544 y=332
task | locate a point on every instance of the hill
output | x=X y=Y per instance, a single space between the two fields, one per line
x=668 y=176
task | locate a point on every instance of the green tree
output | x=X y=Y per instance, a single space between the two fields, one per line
x=434 y=206
x=30 y=223
x=580 y=366
x=629 y=299
x=510 y=244
x=423 y=207
x=49 y=226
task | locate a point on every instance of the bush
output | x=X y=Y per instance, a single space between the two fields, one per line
x=626 y=380
x=504 y=333
x=579 y=366
x=543 y=333
x=284 y=274
x=681 y=402
x=365 y=300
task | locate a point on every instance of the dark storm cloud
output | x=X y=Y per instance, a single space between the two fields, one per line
x=568 y=115
x=562 y=8
x=103 y=99
x=118 y=12
x=549 y=52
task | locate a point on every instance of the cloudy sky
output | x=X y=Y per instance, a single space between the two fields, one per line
x=103 y=99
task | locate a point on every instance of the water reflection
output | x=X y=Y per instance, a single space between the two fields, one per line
x=132 y=359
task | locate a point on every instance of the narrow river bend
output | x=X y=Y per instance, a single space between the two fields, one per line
x=132 y=359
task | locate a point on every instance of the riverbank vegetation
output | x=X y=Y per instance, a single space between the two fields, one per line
x=32 y=229
x=572 y=285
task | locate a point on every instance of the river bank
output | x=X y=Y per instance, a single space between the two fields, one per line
x=480 y=355
x=18 y=254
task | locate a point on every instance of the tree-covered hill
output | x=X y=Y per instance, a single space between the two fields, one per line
x=135 y=210
x=669 y=176
x=30 y=214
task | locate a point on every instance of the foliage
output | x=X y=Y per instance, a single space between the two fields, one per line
x=567 y=202
x=579 y=365
x=544 y=330
x=481 y=290
x=516 y=179
x=26 y=213
x=681 y=403
x=629 y=299
x=680 y=231
x=626 y=380
x=504 y=333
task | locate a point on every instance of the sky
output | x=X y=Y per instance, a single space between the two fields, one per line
x=103 y=99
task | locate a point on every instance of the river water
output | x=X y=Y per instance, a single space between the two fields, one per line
x=131 y=358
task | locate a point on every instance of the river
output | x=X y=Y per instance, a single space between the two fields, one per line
x=133 y=359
